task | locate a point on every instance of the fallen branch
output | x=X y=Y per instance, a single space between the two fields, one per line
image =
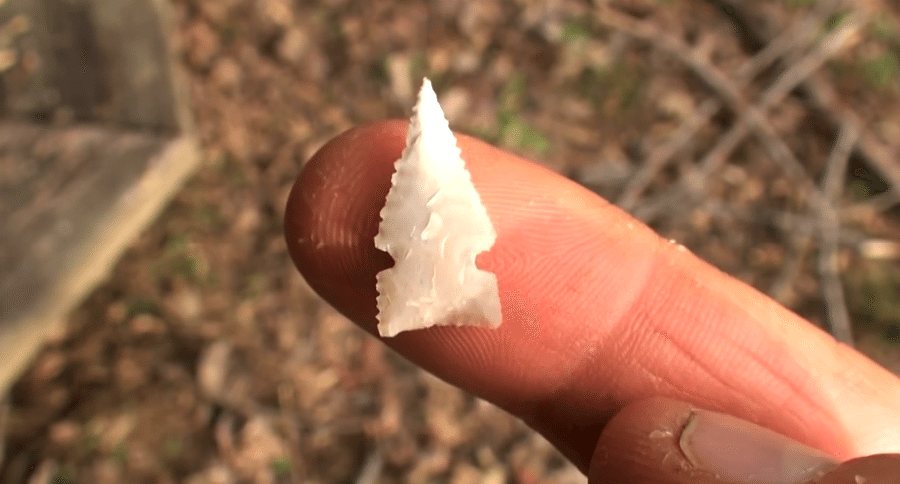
x=829 y=232
x=751 y=117
x=880 y=156
x=802 y=32
x=873 y=204
x=800 y=223
x=783 y=286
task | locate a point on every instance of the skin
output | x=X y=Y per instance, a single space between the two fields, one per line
x=599 y=311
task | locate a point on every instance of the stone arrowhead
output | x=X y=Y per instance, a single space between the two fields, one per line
x=433 y=225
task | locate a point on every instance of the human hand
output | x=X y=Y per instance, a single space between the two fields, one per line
x=612 y=338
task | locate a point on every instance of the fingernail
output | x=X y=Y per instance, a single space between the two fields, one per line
x=740 y=451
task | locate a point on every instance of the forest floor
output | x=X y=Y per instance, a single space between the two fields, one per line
x=207 y=359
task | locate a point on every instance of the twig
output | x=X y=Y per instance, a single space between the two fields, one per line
x=822 y=97
x=752 y=117
x=804 y=68
x=829 y=232
x=801 y=243
x=881 y=157
x=760 y=215
x=829 y=45
x=876 y=203
x=659 y=157
x=836 y=168
x=806 y=224
x=782 y=287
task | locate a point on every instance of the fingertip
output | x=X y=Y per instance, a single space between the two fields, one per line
x=330 y=239
x=665 y=441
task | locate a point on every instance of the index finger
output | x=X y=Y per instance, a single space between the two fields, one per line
x=598 y=310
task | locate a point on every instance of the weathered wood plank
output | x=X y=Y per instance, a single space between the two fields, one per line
x=95 y=137
x=92 y=61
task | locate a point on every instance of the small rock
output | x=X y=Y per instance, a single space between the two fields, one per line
x=503 y=67
x=8 y=59
x=116 y=431
x=247 y=221
x=215 y=474
x=260 y=447
x=576 y=109
x=569 y=474
x=106 y=471
x=677 y=105
x=455 y=102
x=217 y=11
x=117 y=312
x=227 y=73
x=494 y=475
x=64 y=433
x=131 y=374
x=316 y=65
x=16 y=26
x=478 y=22
x=286 y=334
x=49 y=366
x=212 y=370
x=220 y=474
x=467 y=62
x=141 y=460
x=293 y=45
x=430 y=465
x=445 y=428
x=888 y=129
x=56 y=333
x=486 y=456
x=186 y=303
x=439 y=60
x=203 y=45
x=278 y=12
x=325 y=380
x=598 y=55
x=448 y=9
x=399 y=68
x=147 y=325
x=465 y=474
x=640 y=8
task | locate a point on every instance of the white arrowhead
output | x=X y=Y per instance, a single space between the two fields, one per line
x=433 y=225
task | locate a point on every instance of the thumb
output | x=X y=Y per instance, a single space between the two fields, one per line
x=664 y=441
x=873 y=469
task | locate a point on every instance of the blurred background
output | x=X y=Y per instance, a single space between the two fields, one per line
x=764 y=136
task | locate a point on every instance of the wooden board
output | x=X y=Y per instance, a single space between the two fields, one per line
x=95 y=137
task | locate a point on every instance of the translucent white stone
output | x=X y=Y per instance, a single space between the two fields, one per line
x=433 y=225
